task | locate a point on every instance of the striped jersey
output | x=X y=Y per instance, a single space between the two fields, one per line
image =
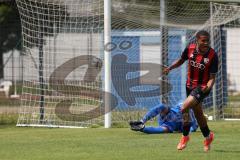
x=200 y=66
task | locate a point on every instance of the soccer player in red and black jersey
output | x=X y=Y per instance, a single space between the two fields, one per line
x=202 y=69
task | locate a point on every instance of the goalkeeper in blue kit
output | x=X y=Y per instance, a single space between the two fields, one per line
x=169 y=120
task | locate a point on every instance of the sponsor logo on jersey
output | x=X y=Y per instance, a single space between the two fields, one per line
x=206 y=60
x=191 y=56
x=197 y=65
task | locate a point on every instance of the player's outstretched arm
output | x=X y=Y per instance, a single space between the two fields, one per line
x=153 y=112
x=140 y=125
x=210 y=83
x=175 y=64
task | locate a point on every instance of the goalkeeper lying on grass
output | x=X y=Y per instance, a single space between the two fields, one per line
x=169 y=120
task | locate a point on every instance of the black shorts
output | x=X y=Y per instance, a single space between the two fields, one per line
x=197 y=93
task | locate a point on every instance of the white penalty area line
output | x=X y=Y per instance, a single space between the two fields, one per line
x=231 y=119
x=49 y=126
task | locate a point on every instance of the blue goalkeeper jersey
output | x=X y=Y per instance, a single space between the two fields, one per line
x=172 y=120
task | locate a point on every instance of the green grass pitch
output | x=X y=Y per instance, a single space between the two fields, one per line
x=114 y=144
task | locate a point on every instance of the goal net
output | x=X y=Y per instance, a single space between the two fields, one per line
x=64 y=58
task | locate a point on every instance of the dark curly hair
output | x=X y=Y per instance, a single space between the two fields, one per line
x=202 y=33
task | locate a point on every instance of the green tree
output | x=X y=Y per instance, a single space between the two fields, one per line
x=41 y=19
x=10 y=30
x=135 y=14
x=139 y=14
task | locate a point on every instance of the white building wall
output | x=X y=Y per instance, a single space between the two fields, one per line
x=233 y=57
x=69 y=45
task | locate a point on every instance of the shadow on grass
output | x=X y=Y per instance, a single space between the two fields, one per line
x=226 y=151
